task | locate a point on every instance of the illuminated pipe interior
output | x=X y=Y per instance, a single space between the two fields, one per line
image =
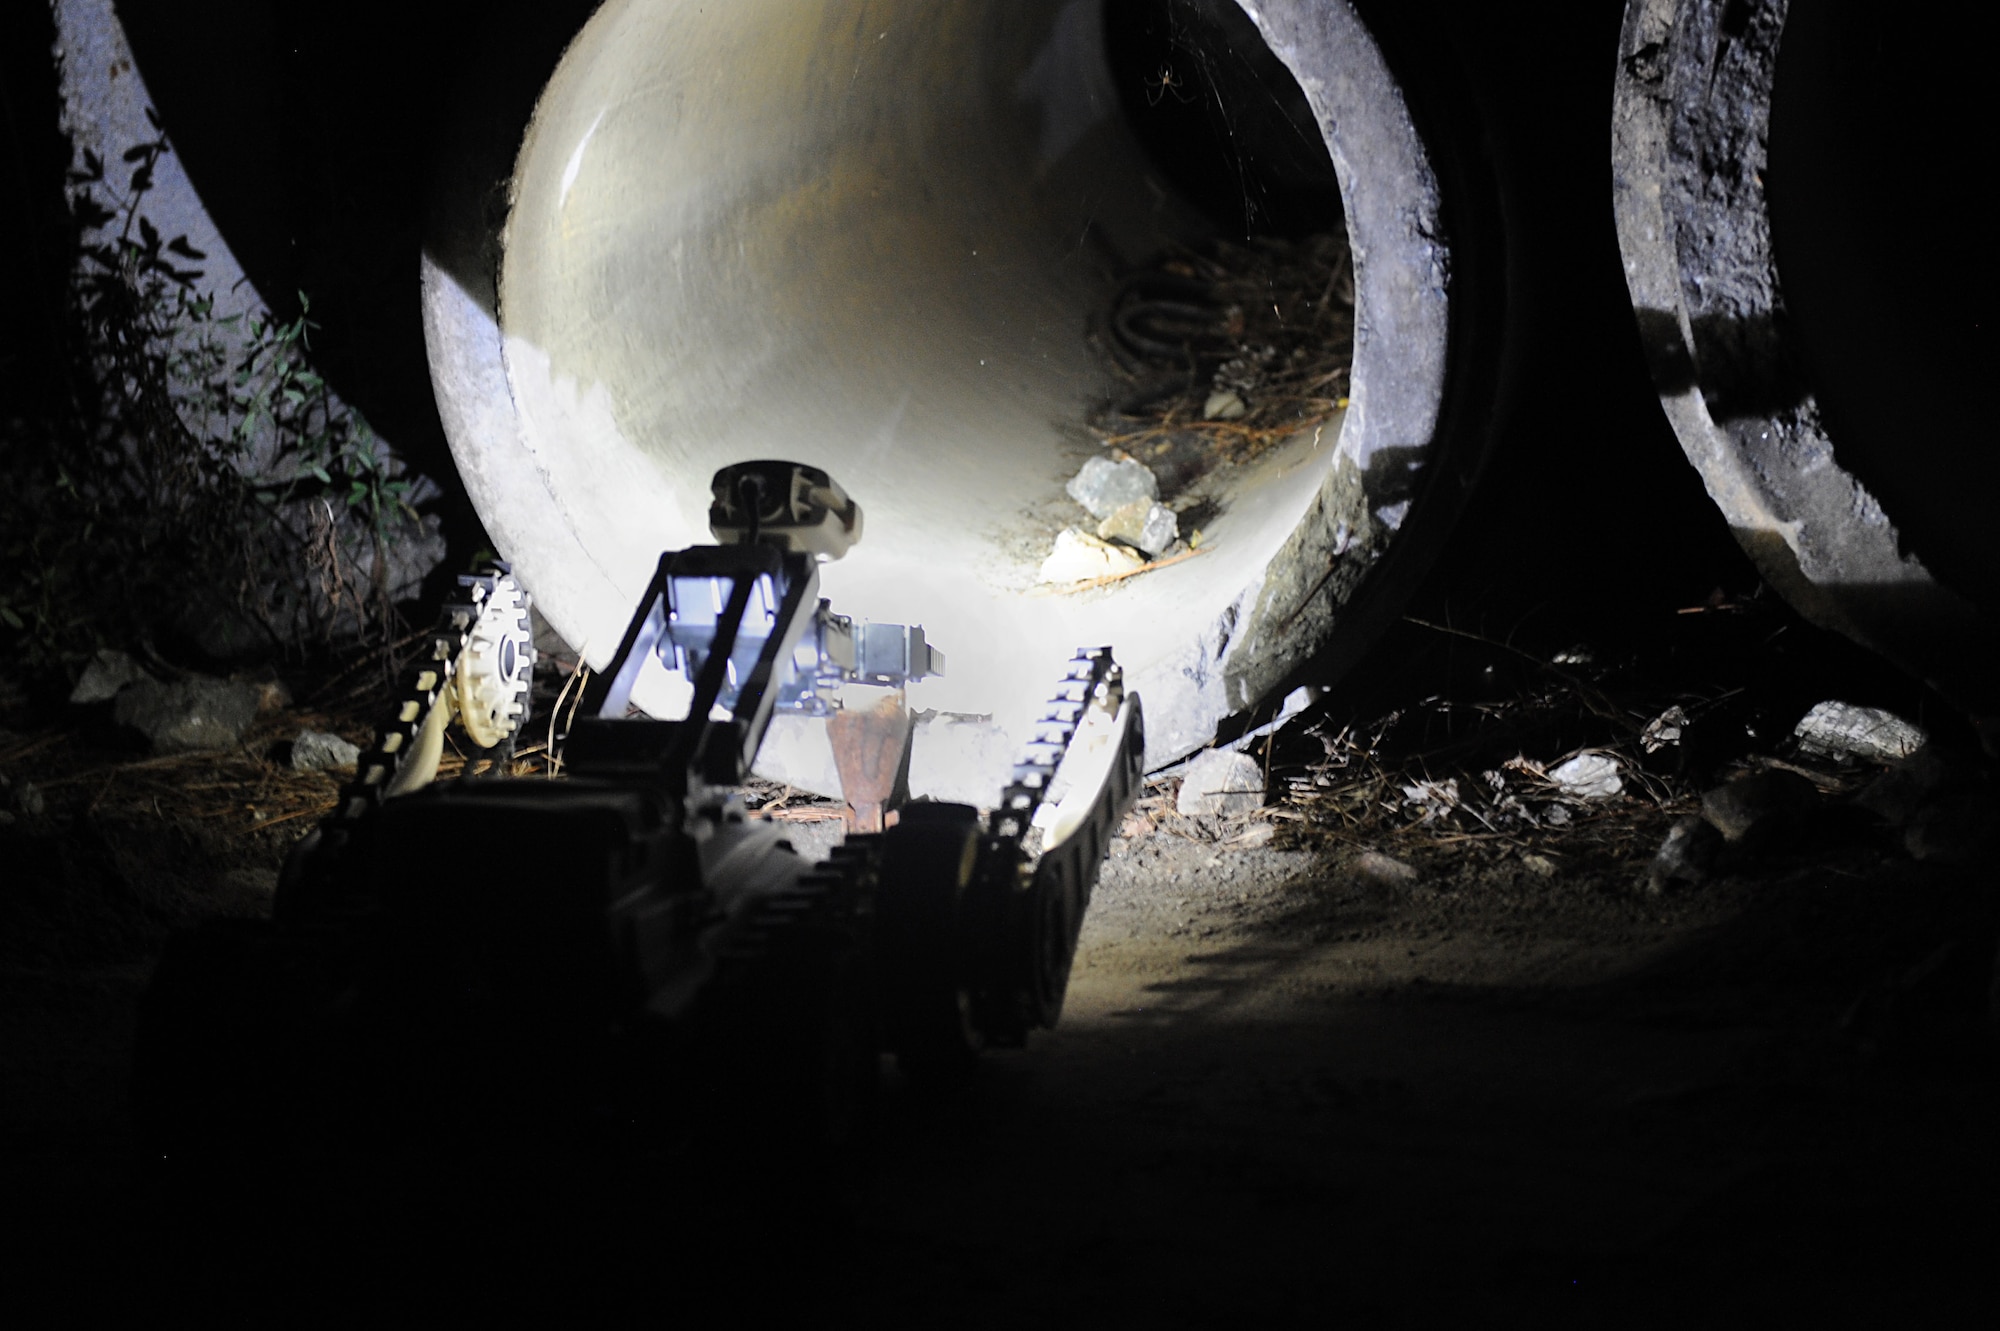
x=872 y=238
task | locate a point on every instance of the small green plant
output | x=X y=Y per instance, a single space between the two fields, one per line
x=199 y=472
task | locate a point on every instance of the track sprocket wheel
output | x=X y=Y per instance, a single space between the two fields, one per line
x=490 y=686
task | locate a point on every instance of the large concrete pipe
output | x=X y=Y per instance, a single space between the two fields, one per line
x=871 y=237
x=1790 y=187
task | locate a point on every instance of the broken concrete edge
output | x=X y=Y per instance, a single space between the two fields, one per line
x=1690 y=125
x=1430 y=306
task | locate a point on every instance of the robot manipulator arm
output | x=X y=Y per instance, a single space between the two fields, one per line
x=731 y=621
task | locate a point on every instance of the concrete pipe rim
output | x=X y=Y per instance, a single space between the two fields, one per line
x=1330 y=506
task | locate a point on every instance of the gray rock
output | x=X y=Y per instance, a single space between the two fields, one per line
x=189 y=715
x=1757 y=804
x=1842 y=730
x=1219 y=782
x=1142 y=523
x=315 y=751
x=108 y=672
x=1384 y=869
x=1104 y=486
x=31 y=800
x=1686 y=856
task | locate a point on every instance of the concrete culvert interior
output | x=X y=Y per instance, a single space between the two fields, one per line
x=882 y=240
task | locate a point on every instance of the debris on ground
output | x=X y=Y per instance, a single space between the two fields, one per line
x=107 y=673
x=1079 y=557
x=1585 y=763
x=1842 y=730
x=1225 y=351
x=1132 y=526
x=1143 y=524
x=1432 y=799
x=1256 y=837
x=1588 y=776
x=1241 y=345
x=1664 y=730
x=1218 y=782
x=189 y=715
x=1224 y=405
x=317 y=751
x=1384 y=869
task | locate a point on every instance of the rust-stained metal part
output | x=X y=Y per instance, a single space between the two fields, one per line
x=871 y=750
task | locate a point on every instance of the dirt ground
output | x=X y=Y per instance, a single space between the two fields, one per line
x=1281 y=1094
x=1289 y=1088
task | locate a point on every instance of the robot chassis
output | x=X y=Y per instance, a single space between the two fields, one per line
x=628 y=951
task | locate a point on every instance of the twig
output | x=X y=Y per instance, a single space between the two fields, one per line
x=1453 y=838
x=1091 y=584
x=575 y=681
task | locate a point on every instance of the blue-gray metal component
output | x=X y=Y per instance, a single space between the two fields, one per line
x=831 y=650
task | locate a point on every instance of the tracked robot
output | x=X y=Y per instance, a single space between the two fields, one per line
x=628 y=952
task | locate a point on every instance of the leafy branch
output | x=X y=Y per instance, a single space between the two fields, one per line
x=199 y=464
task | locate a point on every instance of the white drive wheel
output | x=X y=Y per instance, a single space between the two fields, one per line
x=490 y=686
